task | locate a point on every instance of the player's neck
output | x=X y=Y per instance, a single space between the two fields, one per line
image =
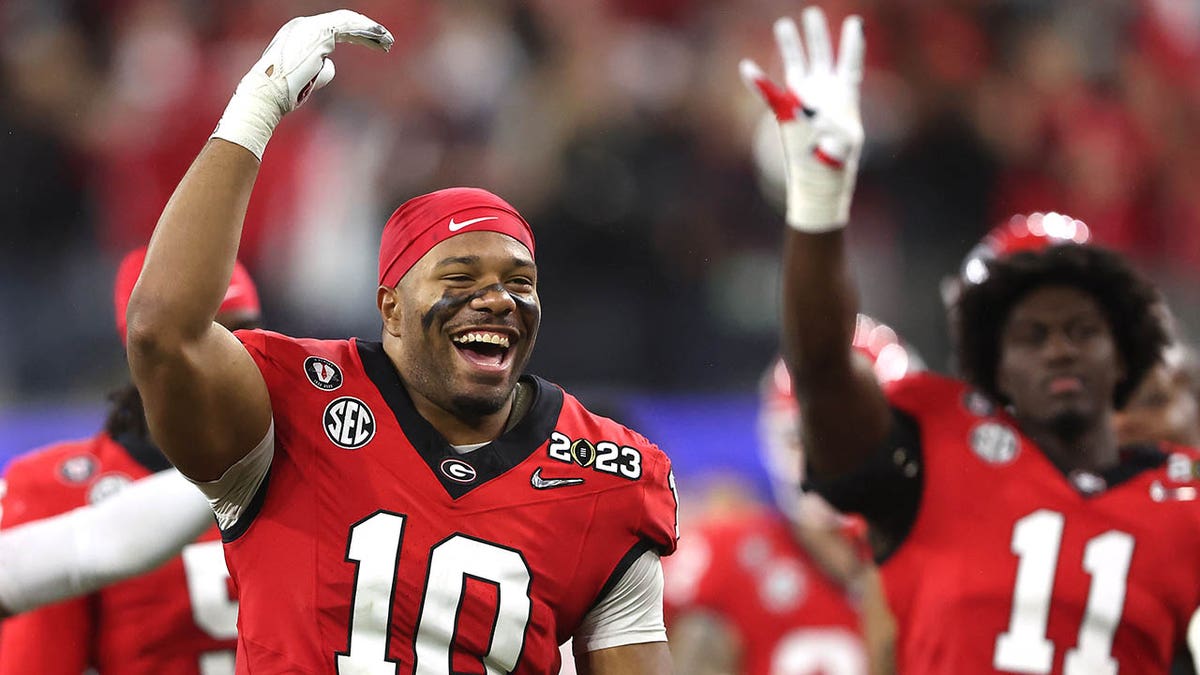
x=1093 y=447
x=459 y=430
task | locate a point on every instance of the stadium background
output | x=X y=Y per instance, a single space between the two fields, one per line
x=620 y=130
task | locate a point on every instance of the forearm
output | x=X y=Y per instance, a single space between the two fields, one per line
x=845 y=415
x=701 y=644
x=192 y=252
x=835 y=555
x=878 y=624
x=820 y=303
x=86 y=549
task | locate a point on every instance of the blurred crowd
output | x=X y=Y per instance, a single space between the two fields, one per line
x=621 y=131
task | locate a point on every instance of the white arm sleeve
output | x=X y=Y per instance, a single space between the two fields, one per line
x=230 y=494
x=84 y=550
x=1193 y=639
x=631 y=613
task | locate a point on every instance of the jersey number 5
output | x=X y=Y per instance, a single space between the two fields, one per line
x=1024 y=648
x=213 y=609
x=375 y=544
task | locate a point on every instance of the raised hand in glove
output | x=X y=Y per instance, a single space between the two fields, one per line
x=818 y=114
x=293 y=66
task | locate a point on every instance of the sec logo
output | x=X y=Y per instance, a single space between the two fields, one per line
x=349 y=423
x=994 y=443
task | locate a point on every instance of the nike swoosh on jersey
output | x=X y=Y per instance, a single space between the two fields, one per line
x=455 y=227
x=540 y=483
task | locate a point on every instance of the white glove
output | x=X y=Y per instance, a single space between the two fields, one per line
x=818 y=116
x=292 y=67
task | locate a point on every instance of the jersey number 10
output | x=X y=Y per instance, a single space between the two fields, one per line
x=375 y=544
x=1024 y=647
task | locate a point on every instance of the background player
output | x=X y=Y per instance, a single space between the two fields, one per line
x=180 y=618
x=1165 y=405
x=1052 y=532
x=789 y=589
x=411 y=475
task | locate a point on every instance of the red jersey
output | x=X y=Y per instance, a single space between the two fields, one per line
x=785 y=614
x=373 y=547
x=179 y=618
x=1011 y=566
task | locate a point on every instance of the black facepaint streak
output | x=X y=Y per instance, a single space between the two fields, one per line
x=451 y=301
x=447 y=305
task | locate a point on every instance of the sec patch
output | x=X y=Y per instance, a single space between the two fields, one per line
x=349 y=423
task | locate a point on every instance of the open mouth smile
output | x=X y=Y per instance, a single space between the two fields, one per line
x=485 y=349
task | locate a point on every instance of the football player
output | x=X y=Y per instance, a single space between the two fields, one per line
x=1018 y=534
x=1165 y=406
x=415 y=505
x=179 y=618
x=789 y=589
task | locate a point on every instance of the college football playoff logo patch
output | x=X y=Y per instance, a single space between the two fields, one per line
x=349 y=423
x=323 y=373
x=994 y=443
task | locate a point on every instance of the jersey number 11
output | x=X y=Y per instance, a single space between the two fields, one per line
x=1024 y=647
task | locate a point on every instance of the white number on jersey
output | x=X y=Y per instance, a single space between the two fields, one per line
x=1024 y=648
x=213 y=610
x=819 y=651
x=375 y=544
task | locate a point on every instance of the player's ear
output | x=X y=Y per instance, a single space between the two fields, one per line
x=388 y=301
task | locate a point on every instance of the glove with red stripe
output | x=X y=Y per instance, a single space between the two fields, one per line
x=818 y=114
x=292 y=67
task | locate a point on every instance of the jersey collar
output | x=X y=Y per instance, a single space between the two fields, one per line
x=510 y=449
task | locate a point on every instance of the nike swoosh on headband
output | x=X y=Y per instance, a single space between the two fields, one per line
x=455 y=227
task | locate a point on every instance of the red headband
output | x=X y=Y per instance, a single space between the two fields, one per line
x=241 y=296
x=426 y=221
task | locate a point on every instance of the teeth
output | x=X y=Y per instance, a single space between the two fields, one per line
x=489 y=338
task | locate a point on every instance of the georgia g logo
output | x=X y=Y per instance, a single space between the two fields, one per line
x=458 y=470
x=349 y=423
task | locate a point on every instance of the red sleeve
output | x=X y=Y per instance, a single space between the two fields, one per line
x=271 y=350
x=925 y=393
x=661 y=502
x=53 y=640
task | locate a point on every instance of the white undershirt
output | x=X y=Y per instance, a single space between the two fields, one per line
x=631 y=613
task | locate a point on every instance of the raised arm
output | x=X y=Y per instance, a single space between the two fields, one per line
x=846 y=416
x=205 y=399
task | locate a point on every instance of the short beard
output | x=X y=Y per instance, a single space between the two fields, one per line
x=1070 y=426
x=477 y=407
